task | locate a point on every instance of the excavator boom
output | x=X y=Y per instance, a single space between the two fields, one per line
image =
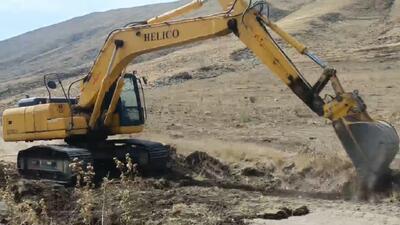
x=370 y=144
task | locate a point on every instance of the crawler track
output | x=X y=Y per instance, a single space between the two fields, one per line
x=51 y=162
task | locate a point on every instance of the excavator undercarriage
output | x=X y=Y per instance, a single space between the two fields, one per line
x=53 y=162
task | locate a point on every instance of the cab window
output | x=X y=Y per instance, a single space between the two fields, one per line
x=130 y=109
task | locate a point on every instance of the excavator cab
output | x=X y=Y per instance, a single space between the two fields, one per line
x=131 y=108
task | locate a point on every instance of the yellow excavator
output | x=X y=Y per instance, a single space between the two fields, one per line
x=111 y=101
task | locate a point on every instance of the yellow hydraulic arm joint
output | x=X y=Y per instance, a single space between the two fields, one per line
x=194 y=5
x=287 y=37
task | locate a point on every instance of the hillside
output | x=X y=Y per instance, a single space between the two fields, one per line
x=69 y=48
x=69 y=45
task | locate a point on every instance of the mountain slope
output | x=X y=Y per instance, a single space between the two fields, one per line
x=71 y=46
x=68 y=44
x=337 y=30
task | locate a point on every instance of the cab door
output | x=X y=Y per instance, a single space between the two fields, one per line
x=130 y=109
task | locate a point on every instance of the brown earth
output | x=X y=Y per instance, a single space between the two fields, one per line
x=251 y=146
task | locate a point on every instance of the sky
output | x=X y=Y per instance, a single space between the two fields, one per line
x=20 y=16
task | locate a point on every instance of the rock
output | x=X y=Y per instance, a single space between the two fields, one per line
x=207 y=113
x=284 y=213
x=279 y=215
x=252 y=172
x=287 y=211
x=242 y=54
x=331 y=17
x=268 y=167
x=171 y=126
x=239 y=125
x=182 y=76
x=286 y=169
x=274 y=184
x=174 y=79
x=306 y=170
x=207 y=166
x=301 y=211
x=268 y=140
x=177 y=135
x=161 y=184
x=27 y=188
x=3 y=209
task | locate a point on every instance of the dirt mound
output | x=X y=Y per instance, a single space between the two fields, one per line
x=205 y=72
x=302 y=18
x=174 y=79
x=212 y=71
x=211 y=192
x=204 y=165
x=242 y=54
x=382 y=5
x=332 y=17
x=279 y=214
x=7 y=171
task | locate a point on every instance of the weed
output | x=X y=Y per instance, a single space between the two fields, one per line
x=24 y=212
x=128 y=169
x=105 y=212
x=129 y=172
x=245 y=117
x=84 y=190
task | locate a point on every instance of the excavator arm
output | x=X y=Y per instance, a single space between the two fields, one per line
x=124 y=45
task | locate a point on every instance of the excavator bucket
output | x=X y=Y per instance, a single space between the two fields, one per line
x=371 y=145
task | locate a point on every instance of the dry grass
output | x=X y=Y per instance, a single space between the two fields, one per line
x=230 y=152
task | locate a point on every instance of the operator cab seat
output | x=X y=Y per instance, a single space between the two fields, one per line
x=37 y=101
